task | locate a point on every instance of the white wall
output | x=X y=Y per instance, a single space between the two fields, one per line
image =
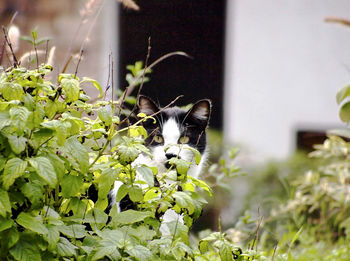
x=109 y=27
x=284 y=65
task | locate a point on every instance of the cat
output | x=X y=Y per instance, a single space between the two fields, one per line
x=172 y=127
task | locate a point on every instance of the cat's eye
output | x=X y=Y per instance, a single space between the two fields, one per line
x=184 y=139
x=158 y=139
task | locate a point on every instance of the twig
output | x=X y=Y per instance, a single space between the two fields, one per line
x=46 y=49
x=13 y=17
x=108 y=85
x=36 y=54
x=4 y=42
x=274 y=253
x=257 y=233
x=131 y=87
x=154 y=114
x=141 y=86
x=76 y=68
x=66 y=64
x=10 y=45
x=337 y=20
x=146 y=64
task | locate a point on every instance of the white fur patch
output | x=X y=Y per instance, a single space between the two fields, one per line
x=201 y=113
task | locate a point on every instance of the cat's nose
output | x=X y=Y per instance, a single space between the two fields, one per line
x=170 y=155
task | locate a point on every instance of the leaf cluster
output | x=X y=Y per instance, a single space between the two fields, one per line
x=55 y=149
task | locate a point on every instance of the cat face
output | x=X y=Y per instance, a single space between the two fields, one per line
x=174 y=131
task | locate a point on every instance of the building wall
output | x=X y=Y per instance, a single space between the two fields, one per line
x=284 y=65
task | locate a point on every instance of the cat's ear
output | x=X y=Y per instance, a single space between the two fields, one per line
x=200 y=112
x=146 y=105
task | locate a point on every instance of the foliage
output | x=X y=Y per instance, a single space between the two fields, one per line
x=53 y=155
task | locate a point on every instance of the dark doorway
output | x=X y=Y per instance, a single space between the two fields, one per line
x=193 y=26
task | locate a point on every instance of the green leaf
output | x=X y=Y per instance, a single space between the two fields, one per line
x=110 y=240
x=43 y=40
x=105 y=116
x=183 y=200
x=182 y=166
x=19 y=117
x=66 y=248
x=27 y=39
x=141 y=253
x=13 y=237
x=96 y=216
x=61 y=129
x=122 y=191
x=71 y=89
x=5 y=223
x=71 y=185
x=131 y=216
x=34 y=34
x=197 y=155
x=14 y=168
x=32 y=223
x=135 y=194
x=103 y=251
x=17 y=144
x=95 y=83
x=25 y=251
x=53 y=236
x=44 y=169
x=344 y=112
x=11 y=91
x=343 y=93
x=127 y=154
x=106 y=180
x=4 y=119
x=225 y=252
x=50 y=109
x=5 y=205
x=73 y=231
x=201 y=184
x=146 y=173
x=151 y=194
x=75 y=151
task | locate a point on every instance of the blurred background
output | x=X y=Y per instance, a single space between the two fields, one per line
x=271 y=68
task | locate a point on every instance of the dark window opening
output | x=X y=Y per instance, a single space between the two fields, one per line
x=195 y=27
x=306 y=139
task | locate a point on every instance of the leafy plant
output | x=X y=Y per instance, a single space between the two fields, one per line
x=53 y=155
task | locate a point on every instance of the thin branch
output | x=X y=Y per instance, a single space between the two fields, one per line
x=66 y=64
x=274 y=253
x=337 y=20
x=76 y=68
x=141 y=86
x=131 y=87
x=46 y=49
x=10 y=45
x=152 y=115
x=4 y=42
x=36 y=54
x=146 y=64
x=257 y=233
x=108 y=85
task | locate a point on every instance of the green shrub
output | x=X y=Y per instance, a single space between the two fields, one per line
x=54 y=147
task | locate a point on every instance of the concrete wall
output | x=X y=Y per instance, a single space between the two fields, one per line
x=284 y=65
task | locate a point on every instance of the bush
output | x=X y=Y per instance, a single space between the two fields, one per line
x=55 y=149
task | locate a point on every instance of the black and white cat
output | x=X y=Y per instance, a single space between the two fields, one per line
x=168 y=136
